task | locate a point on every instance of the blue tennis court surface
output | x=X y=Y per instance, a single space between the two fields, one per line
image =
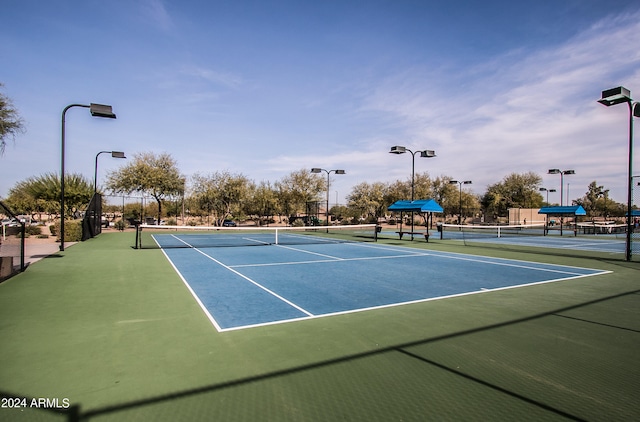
x=241 y=287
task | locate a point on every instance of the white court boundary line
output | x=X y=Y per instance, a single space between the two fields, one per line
x=392 y=305
x=193 y=293
x=203 y=307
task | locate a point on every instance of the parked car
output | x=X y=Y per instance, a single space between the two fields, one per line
x=228 y=223
x=11 y=222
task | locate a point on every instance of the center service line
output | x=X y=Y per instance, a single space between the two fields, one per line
x=256 y=283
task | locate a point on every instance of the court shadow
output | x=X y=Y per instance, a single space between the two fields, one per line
x=184 y=400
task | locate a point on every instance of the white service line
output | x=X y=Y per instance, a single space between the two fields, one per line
x=271 y=292
x=320 y=261
x=311 y=253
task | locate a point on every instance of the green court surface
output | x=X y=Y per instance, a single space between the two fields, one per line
x=115 y=333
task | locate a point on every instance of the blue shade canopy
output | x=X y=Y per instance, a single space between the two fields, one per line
x=566 y=210
x=419 y=205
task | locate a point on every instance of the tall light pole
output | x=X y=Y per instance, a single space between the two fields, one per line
x=562 y=173
x=547 y=190
x=319 y=170
x=427 y=153
x=611 y=97
x=97 y=110
x=466 y=182
x=114 y=154
x=605 y=194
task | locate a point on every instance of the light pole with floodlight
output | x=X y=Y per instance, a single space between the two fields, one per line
x=96 y=110
x=547 y=190
x=319 y=170
x=561 y=173
x=114 y=154
x=427 y=153
x=465 y=182
x=611 y=97
x=602 y=193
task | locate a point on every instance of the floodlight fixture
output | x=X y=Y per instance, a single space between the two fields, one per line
x=427 y=153
x=547 y=190
x=615 y=96
x=397 y=150
x=101 y=110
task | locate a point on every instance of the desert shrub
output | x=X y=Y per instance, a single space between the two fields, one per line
x=34 y=230
x=72 y=230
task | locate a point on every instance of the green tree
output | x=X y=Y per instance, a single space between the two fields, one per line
x=148 y=174
x=368 y=199
x=264 y=202
x=42 y=194
x=222 y=193
x=446 y=194
x=590 y=200
x=422 y=186
x=514 y=191
x=11 y=123
x=397 y=191
x=299 y=188
x=596 y=202
x=340 y=212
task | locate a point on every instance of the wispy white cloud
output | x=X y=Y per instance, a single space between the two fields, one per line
x=226 y=79
x=524 y=111
x=156 y=13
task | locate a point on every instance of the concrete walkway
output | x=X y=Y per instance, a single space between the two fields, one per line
x=34 y=250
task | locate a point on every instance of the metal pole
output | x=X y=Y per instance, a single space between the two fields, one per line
x=561 y=187
x=62 y=213
x=630 y=182
x=413 y=172
x=327 y=209
x=460 y=216
x=95 y=174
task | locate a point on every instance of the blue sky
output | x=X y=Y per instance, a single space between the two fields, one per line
x=264 y=88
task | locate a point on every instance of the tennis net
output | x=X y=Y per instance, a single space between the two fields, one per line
x=468 y=232
x=614 y=230
x=164 y=237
